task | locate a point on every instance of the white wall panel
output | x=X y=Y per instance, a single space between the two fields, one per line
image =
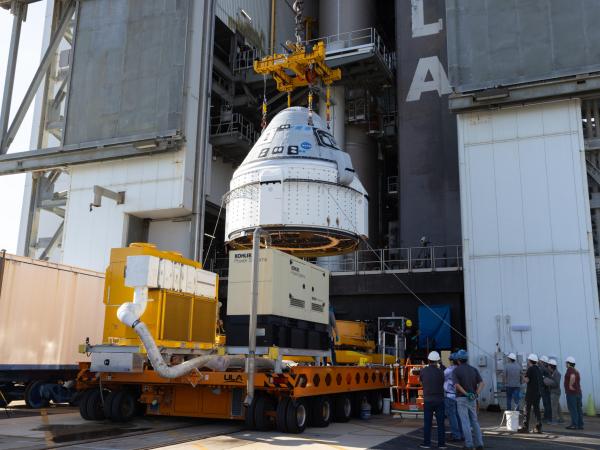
x=528 y=255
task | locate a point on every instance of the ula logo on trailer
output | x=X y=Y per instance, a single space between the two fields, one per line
x=230 y=378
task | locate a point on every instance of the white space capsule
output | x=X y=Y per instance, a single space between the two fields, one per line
x=300 y=186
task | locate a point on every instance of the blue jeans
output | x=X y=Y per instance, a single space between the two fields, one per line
x=547 y=405
x=452 y=413
x=467 y=411
x=436 y=407
x=575 y=406
x=513 y=394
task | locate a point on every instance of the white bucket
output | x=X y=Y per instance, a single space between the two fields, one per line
x=386 y=405
x=512 y=420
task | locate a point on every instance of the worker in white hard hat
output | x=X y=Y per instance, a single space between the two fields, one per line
x=432 y=380
x=533 y=378
x=552 y=382
x=573 y=393
x=512 y=381
x=543 y=365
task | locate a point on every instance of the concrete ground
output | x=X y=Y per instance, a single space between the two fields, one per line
x=61 y=427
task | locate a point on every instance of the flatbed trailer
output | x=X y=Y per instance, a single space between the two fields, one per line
x=291 y=400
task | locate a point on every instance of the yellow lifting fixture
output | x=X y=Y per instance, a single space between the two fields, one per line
x=302 y=67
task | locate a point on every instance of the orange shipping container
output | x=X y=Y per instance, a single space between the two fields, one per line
x=47 y=310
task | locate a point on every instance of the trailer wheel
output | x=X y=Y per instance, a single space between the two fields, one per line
x=342 y=408
x=321 y=411
x=357 y=400
x=4 y=400
x=94 y=406
x=83 y=401
x=376 y=401
x=120 y=406
x=296 y=416
x=33 y=395
x=281 y=414
x=263 y=405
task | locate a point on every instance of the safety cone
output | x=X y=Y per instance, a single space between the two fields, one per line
x=590 y=409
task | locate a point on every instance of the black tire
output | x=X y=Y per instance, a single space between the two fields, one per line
x=249 y=422
x=376 y=401
x=94 y=404
x=321 y=412
x=107 y=407
x=281 y=414
x=342 y=408
x=262 y=420
x=4 y=400
x=83 y=401
x=296 y=416
x=33 y=395
x=122 y=404
x=357 y=400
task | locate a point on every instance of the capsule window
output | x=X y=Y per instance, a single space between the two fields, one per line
x=263 y=152
x=277 y=150
x=285 y=126
x=293 y=150
x=325 y=139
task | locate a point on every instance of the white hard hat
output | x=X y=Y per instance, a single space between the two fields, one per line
x=544 y=358
x=434 y=356
x=533 y=357
x=552 y=362
x=570 y=360
x=512 y=356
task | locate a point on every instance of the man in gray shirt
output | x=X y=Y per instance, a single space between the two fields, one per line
x=512 y=381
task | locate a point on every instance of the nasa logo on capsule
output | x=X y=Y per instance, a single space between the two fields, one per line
x=306 y=145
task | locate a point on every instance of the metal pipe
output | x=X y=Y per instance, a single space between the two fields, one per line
x=37 y=78
x=202 y=131
x=251 y=362
x=130 y=313
x=11 y=67
x=2 y=265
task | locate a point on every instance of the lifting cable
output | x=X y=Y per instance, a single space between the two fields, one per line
x=328 y=106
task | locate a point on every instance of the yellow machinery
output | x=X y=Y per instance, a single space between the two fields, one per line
x=300 y=68
x=353 y=345
x=177 y=319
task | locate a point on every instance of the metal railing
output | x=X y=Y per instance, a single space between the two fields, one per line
x=385 y=260
x=357 y=38
x=392 y=184
x=244 y=60
x=237 y=125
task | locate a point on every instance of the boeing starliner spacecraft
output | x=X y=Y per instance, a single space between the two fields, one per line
x=298 y=185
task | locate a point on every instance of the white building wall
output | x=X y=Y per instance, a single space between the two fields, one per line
x=528 y=250
x=154 y=188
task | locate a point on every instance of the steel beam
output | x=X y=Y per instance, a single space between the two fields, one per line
x=70 y=155
x=38 y=77
x=57 y=235
x=11 y=66
x=552 y=89
x=202 y=130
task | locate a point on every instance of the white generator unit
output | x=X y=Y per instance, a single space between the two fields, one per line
x=299 y=186
x=293 y=301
